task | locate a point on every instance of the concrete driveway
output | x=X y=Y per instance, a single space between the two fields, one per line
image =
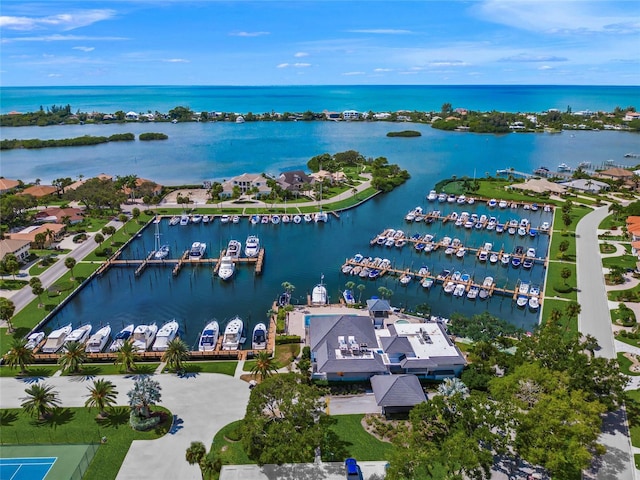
x=348 y=404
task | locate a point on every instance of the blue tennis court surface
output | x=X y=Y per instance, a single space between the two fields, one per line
x=25 y=468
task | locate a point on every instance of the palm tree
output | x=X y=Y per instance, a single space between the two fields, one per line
x=265 y=365
x=72 y=357
x=40 y=400
x=102 y=395
x=452 y=386
x=615 y=208
x=127 y=356
x=177 y=352
x=70 y=262
x=195 y=454
x=19 y=355
x=7 y=308
x=360 y=287
x=37 y=289
x=288 y=287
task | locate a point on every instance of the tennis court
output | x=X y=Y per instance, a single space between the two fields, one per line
x=25 y=468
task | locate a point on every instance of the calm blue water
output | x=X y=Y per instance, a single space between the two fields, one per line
x=299 y=254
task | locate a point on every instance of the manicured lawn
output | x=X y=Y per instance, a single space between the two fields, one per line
x=623 y=317
x=607 y=248
x=95 y=369
x=32 y=371
x=635 y=342
x=38 y=268
x=554 y=279
x=631 y=294
x=611 y=221
x=556 y=240
x=624 y=261
x=633 y=413
x=216 y=366
x=570 y=325
x=496 y=189
x=11 y=284
x=625 y=363
x=360 y=443
x=282 y=358
x=577 y=212
x=78 y=426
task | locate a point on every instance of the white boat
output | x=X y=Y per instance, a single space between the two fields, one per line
x=531 y=252
x=197 y=218
x=56 y=339
x=319 y=293
x=286 y=218
x=502 y=204
x=427 y=282
x=451 y=198
x=461 y=199
x=275 y=219
x=121 y=337
x=206 y=219
x=209 y=337
x=487 y=282
x=233 y=334
x=259 y=337
x=472 y=294
x=405 y=278
x=80 y=334
x=197 y=250
x=563 y=167
x=544 y=227
x=255 y=219
x=235 y=219
x=162 y=252
x=471 y=201
x=233 y=248
x=165 y=335
x=321 y=217
x=482 y=256
x=33 y=340
x=175 y=220
x=297 y=219
x=348 y=297
x=493 y=258
x=98 y=340
x=442 y=197
x=184 y=219
x=534 y=303
x=143 y=336
x=265 y=219
x=461 y=252
x=459 y=289
x=227 y=268
x=492 y=203
x=433 y=196
x=225 y=219
x=252 y=246
x=449 y=286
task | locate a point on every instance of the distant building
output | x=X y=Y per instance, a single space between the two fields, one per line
x=379 y=311
x=131 y=116
x=155 y=188
x=6 y=185
x=19 y=248
x=294 y=180
x=59 y=215
x=39 y=191
x=616 y=173
x=586 y=185
x=29 y=233
x=397 y=393
x=246 y=182
x=350 y=115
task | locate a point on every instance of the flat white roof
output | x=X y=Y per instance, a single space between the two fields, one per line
x=427 y=339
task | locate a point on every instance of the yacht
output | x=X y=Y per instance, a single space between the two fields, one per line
x=225 y=219
x=209 y=337
x=283 y=299
x=427 y=282
x=161 y=253
x=197 y=250
x=451 y=198
x=252 y=246
x=286 y=218
x=531 y=252
x=259 y=337
x=449 y=287
x=405 y=278
x=98 y=340
x=206 y=219
x=143 y=336
x=544 y=227
x=472 y=294
x=33 y=340
x=534 y=299
x=121 y=337
x=461 y=199
x=492 y=203
x=442 y=197
x=184 y=219
x=563 y=167
x=197 y=218
x=308 y=218
x=348 y=297
x=233 y=334
x=319 y=293
x=233 y=248
x=433 y=196
x=235 y=219
x=165 y=335
x=56 y=339
x=80 y=334
x=265 y=219
x=502 y=204
x=275 y=219
x=482 y=256
x=527 y=263
x=321 y=217
x=255 y=219
x=461 y=252
x=227 y=268
x=493 y=258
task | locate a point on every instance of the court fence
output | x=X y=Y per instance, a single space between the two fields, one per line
x=85 y=461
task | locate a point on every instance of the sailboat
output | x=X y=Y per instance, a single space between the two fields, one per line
x=161 y=251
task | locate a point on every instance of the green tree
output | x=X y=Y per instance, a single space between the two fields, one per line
x=73 y=357
x=70 y=262
x=10 y=265
x=135 y=213
x=195 y=454
x=361 y=287
x=563 y=247
x=19 y=356
x=565 y=273
x=176 y=354
x=566 y=219
x=265 y=365
x=41 y=400
x=385 y=292
x=7 y=308
x=127 y=356
x=122 y=218
x=145 y=393
x=98 y=238
x=37 y=289
x=102 y=395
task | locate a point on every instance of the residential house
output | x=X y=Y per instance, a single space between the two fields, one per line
x=397 y=393
x=379 y=310
x=19 y=248
x=246 y=182
x=633 y=229
x=7 y=184
x=540 y=185
x=321 y=175
x=59 y=215
x=39 y=191
x=294 y=180
x=155 y=188
x=132 y=116
x=630 y=116
x=30 y=233
x=350 y=115
x=616 y=173
x=586 y=185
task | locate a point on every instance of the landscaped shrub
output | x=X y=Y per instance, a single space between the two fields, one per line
x=562 y=288
x=283 y=339
x=142 y=424
x=104 y=252
x=81 y=237
x=306 y=352
x=234 y=434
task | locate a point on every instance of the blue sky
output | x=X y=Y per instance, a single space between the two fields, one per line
x=208 y=42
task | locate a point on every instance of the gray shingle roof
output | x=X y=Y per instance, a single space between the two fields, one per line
x=397 y=390
x=396 y=344
x=378 y=305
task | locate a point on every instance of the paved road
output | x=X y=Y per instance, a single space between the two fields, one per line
x=594 y=319
x=202 y=405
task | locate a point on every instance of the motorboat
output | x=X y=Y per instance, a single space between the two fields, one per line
x=442 y=197
x=206 y=219
x=492 y=203
x=505 y=259
x=79 y=335
x=424 y=271
x=461 y=252
x=471 y=200
x=482 y=256
x=427 y=282
x=451 y=198
x=121 y=337
x=523 y=288
x=233 y=334
x=544 y=227
x=461 y=199
x=175 y=220
x=197 y=250
x=405 y=278
x=197 y=218
x=357 y=258
x=531 y=252
x=527 y=263
x=483 y=294
x=456 y=276
x=449 y=287
x=233 y=248
x=143 y=336
x=225 y=218
x=493 y=258
x=255 y=219
x=235 y=219
x=487 y=282
x=321 y=216
x=348 y=297
x=502 y=204
x=283 y=299
x=165 y=335
x=449 y=250
x=534 y=207
x=472 y=294
x=252 y=246
x=286 y=218
x=459 y=289
x=308 y=218
x=533 y=232
x=275 y=219
x=209 y=337
x=516 y=262
x=33 y=340
x=534 y=303
x=443 y=275
x=356 y=270
x=522 y=231
x=512 y=230
x=259 y=337
x=227 y=268
x=98 y=340
x=563 y=167
x=184 y=219
x=161 y=253
x=433 y=196
x=522 y=300
x=297 y=219
x=319 y=292
x=56 y=339
x=499 y=228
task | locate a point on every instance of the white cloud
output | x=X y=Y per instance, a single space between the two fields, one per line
x=176 y=60
x=351 y=74
x=545 y=67
x=62 y=21
x=282 y=65
x=54 y=75
x=61 y=38
x=382 y=31
x=383 y=70
x=249 y=34
x=448 y=63
x=301 y=54
x=84 y=49
x=293 y=65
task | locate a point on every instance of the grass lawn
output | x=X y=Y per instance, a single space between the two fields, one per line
x=611 y=221
x=633 y=413
x=78 y=426
x=607 y=248
x=635 y=342
x=631 y=294
x=35 y=370
x=283 y=356
x=215 y=366
x=624 y=317
x=570 y=325
x=95 y=369
x=38 y=268
x=624 y=261
x=554 y=279
x=625 y=363
x=11 y=284
x=495 y=188
x=554 y=249
x=577 y=212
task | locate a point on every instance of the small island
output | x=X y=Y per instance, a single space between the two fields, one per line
x=405 y=133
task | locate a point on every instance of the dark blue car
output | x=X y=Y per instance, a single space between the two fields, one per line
x=353 y=469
